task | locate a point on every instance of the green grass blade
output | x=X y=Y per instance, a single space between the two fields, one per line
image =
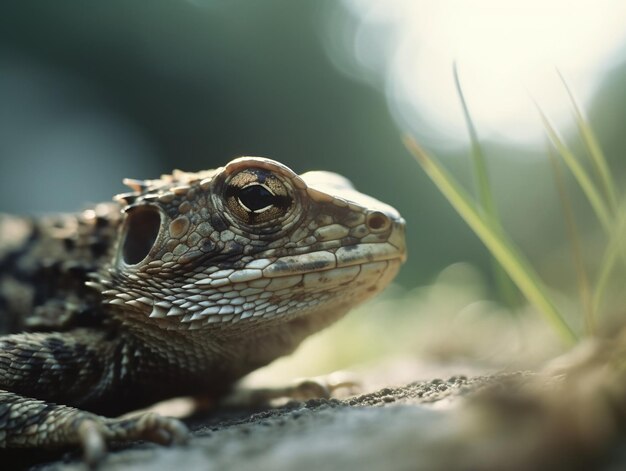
x=494 y=239
x=611 y=255
x=478 y=157
x=606 y=269
x=584 y=290
x=481 y=175
x=580 y=174
x=595 y=151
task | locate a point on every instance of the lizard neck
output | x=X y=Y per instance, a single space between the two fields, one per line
x=210 y=361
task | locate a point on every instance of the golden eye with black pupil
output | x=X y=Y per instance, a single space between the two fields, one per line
x=141 y=229
x=257 y=196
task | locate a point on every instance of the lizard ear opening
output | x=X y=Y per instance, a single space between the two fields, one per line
x=141 y=230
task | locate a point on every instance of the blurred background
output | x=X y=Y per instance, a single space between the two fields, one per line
x=94 y=92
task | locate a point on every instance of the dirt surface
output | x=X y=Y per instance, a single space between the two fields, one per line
x=392 y=428
x=491 y=422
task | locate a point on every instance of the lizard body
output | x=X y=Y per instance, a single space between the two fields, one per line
x=181 y=287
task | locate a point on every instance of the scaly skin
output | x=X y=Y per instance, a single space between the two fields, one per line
x=180 y=288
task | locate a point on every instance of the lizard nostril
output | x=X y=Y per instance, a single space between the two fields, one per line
x=378 y=221
x=141 y=230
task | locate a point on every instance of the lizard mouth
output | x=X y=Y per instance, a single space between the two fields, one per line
x=305 y=265
x=275 y=287
x=343 y=257
x=326 y=272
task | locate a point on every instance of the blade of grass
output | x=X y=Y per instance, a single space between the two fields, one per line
x=580 y=174
x=572 y=232
x=503 y=282
x=495 y=240
x=612 y=253
x=478 y=157
x=595 y=151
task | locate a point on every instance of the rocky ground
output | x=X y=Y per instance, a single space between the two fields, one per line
x=392 y=428
x=460 y=423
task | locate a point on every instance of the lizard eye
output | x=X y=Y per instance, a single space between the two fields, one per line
x=141 y=229
x=257 y=196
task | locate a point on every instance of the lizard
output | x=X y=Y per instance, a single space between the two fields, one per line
x=179 y=287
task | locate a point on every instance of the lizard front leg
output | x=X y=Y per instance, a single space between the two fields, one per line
x=28 y=423
x=41 y=371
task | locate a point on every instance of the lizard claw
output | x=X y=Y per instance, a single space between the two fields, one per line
x=95 y=432
x=92 y=440
x=324 y=386
x=320 y=387
x=162 y=430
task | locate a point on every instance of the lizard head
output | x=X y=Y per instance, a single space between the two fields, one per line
x=251 y=244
